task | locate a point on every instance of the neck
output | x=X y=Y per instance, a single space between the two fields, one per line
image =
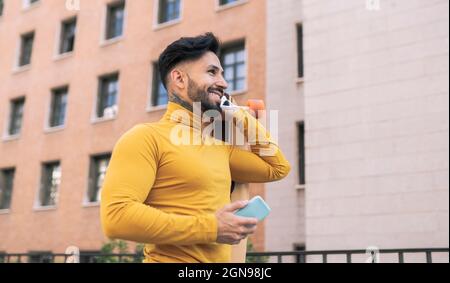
x=175 y=98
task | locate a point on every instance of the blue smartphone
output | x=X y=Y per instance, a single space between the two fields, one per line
x=256 y=208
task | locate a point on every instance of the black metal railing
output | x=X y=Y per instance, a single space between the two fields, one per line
x=70 y=258
x=371 y=255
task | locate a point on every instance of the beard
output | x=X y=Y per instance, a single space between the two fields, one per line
x=197 y=94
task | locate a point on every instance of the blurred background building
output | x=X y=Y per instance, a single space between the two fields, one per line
x=361 y=87
x=363 y=93
x=74 y=79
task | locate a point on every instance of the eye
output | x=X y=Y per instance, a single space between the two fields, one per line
x=212 y=72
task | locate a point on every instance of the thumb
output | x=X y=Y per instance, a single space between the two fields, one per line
x=235 y=205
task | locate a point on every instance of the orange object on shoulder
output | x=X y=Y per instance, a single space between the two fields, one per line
x=256 y=105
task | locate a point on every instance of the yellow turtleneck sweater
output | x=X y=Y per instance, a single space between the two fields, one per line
x=165 y=194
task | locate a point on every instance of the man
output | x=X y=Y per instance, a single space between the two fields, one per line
x=176 y=197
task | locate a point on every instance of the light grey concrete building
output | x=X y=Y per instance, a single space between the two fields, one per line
x=375 y=104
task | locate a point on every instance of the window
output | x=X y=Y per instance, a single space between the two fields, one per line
x=226 y=2
x=107 y=96
x=67 y=40
x=40 y=257
x=29 y=3
x=58 y=107
x=301 y=152
x=6 y=187
x=15 y=120
x=26 y=49
x=234 y=64
x=97 y=171
x=300 y=50
x=1 y=7
x=159 y=92
x=50 y=181
x=115 y=19
x=169 y=10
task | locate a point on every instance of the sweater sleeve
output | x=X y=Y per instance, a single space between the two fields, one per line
x=264 y=162
x=129 y=179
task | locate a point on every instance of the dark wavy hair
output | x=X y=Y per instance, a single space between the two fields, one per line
x=186 y=49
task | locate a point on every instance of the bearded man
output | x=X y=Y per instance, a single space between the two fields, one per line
x=175 y=197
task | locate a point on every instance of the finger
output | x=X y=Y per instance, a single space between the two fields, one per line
x=249 y=231
x=235 y=205
x=247 y=221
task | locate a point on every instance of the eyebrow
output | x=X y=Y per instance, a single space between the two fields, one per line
x=216 y=68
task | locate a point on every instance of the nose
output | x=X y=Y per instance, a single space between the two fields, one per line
x=222 y=83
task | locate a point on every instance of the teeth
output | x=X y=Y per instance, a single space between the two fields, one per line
x=216 y=93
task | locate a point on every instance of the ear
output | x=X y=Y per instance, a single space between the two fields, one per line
x=178 y=78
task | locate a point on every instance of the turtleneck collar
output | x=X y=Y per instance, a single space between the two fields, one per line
x=178 y=114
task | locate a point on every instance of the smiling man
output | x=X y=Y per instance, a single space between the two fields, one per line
x=176 y=198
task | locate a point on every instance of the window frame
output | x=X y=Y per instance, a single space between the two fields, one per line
x=28 y=4
x=156 y=86
x=300 y=51
x=93 y=177
x=233 y=47
x=221 y=7
x=2 y=8
x=48 y=128
x=105 y=40
x=301 y=152
x=11 y=189
x=156 y=12
x=95 y=117
x=19 y=63
x=39 y=206
x=150 y=87
x=7 y=134
x=61 y=38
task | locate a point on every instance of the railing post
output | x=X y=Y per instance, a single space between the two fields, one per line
x=280 y=260
x=401 y=258
x=349 y=258
x=324 y=258
x=429 y=257
x=302 y=258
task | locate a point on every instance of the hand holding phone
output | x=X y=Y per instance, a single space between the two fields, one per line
x=256 y=208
